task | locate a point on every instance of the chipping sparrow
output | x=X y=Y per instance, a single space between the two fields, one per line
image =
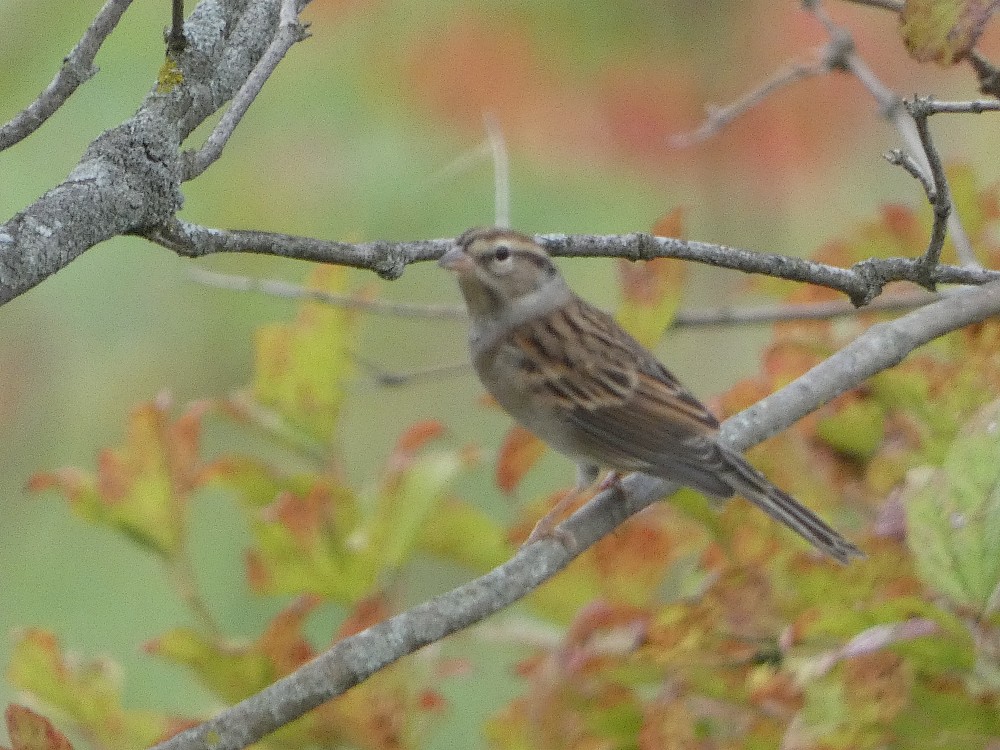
x=571 y=375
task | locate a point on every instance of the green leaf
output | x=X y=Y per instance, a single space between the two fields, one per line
x=855 y=430
x=87 y=692
x=943 y=30
x=302 y=367
x=953 y=517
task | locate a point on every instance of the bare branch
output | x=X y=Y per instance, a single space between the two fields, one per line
x=902 y=159
x=894 y=5
x=387 y=259
x=861 y=283
x=176 y=41
x=974 y=107
x=277 y=288
x=391 y=379
x=721 y=116
x=784 y=313
x=940 y=197
x=77 y=68
x=876 y=638
x=891 y=106
x=290 y=31
x=683 y=319
x=354 y=659
x=129 y=178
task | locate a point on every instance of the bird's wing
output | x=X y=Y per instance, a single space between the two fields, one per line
x=627 y=411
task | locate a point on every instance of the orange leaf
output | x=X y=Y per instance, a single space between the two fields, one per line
x=519 y=452
x=671 y=224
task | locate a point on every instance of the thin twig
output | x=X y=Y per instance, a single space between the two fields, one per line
x=719 y=117
x=902 y=159
x=77 y=68
x=393 y=379
x=987 y=72
x=787 y=313
x=354 y=659
x=974 y=107
x=894 y=5
x=683 y=319
x=875 y=638
x=940 y=197
x=176 y=41
x=277 y=288
x=461 y=163
x=892 y=107
x=289 y=32
x=501 y=170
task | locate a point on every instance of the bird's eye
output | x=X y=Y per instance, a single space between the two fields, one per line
x=501 y=253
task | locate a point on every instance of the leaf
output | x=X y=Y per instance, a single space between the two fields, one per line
x=301 y=367
x=953 y=517
x=944 y=30
x=856 y=429
x=314 y=535
x=458 y=531
x=31 y=731
x=232 y=671
x=301 y=546
x=651 y=290
x=88 y=692
x=414 y=486
x=520 y=451
x=143 y=487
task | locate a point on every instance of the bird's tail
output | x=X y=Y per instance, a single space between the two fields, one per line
x=758 y=489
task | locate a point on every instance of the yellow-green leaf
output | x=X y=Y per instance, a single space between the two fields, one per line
x=87 y=692
x=953 y=517
x=943 y=30
x=302 y=367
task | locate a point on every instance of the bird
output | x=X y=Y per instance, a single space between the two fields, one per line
x=566 y=371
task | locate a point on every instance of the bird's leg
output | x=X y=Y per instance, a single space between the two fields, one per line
x=585 y=477
x=613 y=481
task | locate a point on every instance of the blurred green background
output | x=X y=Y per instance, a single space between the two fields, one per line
x=345 y=142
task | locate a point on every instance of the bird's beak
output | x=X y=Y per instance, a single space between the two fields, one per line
x=456 y=260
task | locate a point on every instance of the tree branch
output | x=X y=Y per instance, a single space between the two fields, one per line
x=290 y=31
x=77 y=68
x=354 y=659
x=862 y=283
x=939 y=197
x=129 y=178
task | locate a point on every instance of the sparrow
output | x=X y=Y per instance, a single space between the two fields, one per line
x=571 y=375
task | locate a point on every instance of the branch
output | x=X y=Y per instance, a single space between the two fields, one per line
x=277 y=288
x=862 y=283
x=176 y=41
x=129 y=178
x=354 y=659
x=974 y=107
x=891 y=106
x=727 y=315
x=290 y=31
x=77 y=68
x=939 y=197
x=721 y=116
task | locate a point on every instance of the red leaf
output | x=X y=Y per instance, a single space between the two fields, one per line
x=31 y=731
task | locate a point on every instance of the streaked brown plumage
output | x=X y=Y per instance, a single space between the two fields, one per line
x=570 y=374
